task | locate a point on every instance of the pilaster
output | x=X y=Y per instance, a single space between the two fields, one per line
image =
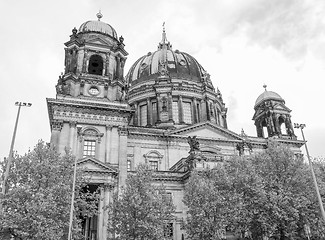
x=180 y=110
x=149 y=113
x=123 y=134
x=108 y=141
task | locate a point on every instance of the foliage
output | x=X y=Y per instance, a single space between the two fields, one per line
x=273 y=196
x=208 y=196
x=141 y=209
x=37 y=201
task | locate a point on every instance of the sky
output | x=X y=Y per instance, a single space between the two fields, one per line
x=241 y=44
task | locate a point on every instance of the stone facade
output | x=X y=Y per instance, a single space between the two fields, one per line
x=165 y=112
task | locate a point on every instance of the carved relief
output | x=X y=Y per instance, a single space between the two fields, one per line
x=62 y=87
x=57 y=125
x=90 y=133
x=153 y=155
x=122 y=131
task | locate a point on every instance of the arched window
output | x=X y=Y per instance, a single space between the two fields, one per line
x=282 y=126
x=95 y=65
x=175 y=112
x=264 y=129
x=143 y=115
x=187 y=112
x=153 y=159
x=89 y=138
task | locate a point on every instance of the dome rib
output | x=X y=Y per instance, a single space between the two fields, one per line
x=268 y=95
x=98 y=27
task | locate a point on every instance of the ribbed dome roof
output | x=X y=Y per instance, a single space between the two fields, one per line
x=268 y=95
x=98 y=27
x=178 y=64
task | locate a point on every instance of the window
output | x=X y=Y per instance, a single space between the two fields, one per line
x=154 y=113
x=95 y=65
x=198 y=112
x=168 y=230
x=169 y=197
x=143 y=115
x=175 y=112
x=153 y=165
x=89 y=148
x=129 y=165
x=187 y=112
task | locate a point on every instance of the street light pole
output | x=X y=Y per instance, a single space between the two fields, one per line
x=5 y=178
x=302 y=126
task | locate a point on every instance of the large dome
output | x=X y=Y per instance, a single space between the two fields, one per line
x=170 y=89
x=179 y=65
x=98 y=27
x=268 y=95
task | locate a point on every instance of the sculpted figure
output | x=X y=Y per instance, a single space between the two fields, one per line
x=194 y=143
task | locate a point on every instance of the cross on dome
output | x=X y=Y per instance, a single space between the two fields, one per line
x=99 y=15
x=265 y=86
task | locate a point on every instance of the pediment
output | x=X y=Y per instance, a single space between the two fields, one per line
x=93 y=165
x=208 y=130
x=281 y=107
x=98 y=41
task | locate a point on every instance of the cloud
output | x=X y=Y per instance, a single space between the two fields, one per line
x=291 y=26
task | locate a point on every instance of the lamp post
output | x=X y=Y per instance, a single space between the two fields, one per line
x=5 y=178
x=302 y=126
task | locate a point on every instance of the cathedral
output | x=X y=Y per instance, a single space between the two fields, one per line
x=164 y=112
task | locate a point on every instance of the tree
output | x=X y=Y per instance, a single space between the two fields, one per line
x=287 y=201
x=208 y=196
x=142 y=209
x=271 y=194
x=37 y=201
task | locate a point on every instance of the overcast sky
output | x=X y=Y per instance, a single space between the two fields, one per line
x=243 y=44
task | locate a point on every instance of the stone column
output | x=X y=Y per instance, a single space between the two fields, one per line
x=136 y=115
x=108 y=143
x=85 y=61
x=122 y=159
x=118 y=65
x=158 y=108
x=107 y=64
x=149 y=113
x=100 y=226
x=108 y=190
x=203 y=110
x=170 y=107
x=208 y=109
x=195 y=113
x=180 y=110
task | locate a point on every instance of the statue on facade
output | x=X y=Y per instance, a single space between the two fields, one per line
x=124 y=91
x=244 y=146
x=62 y=87
x=194 y=143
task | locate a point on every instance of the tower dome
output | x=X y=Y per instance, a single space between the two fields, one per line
x=268 y=95
x=170 y=89
x=98 y=26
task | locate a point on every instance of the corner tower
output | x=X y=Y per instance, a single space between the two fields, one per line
x=89 y=115
x=272 y=118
